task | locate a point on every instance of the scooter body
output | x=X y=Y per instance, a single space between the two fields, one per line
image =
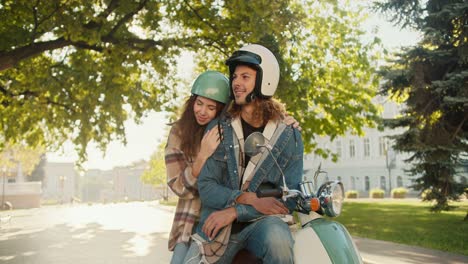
x=316 y=238
x=325 y=241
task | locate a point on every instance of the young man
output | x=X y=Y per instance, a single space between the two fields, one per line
x=232 y=217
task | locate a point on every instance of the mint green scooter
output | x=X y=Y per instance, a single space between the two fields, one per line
x=317 y=238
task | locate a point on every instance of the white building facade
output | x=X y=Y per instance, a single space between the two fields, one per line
x=60 y=182
x=364 y=162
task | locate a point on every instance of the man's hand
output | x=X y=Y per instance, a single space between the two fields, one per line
x=265 y=205
x=269 y=206
x=218 y=220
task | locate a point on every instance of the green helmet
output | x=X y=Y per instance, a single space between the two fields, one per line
x=213 y=85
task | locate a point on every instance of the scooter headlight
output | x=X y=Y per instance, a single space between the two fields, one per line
x=331 y=195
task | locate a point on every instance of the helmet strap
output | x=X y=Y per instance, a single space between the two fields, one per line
x=257 y=92
x=250 y=97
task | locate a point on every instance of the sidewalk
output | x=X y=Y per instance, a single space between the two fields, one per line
x=382 y=252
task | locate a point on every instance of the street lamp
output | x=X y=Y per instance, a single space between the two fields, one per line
x=62 y=184
x=8 y=157
x=389 y=164
x=112 y=193
x=3 y=188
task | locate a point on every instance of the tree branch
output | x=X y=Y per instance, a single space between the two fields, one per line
x=220 y=45
x=127 y=17
x=460 y=126
x=36 y=23
x=110 y=8
x=11 y=58
x=205 y=21
x=144 y=44
x=27 y=94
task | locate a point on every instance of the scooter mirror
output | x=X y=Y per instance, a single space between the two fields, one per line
x=253 y=144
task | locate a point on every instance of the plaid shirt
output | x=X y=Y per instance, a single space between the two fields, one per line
x=184 y=185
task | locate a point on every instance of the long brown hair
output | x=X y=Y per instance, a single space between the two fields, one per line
x=265 y=110
x=189 y=131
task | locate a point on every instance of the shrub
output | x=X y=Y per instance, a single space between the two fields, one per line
x=399 y=192
x=352 y=194
x=426 y=194
x=376 y=193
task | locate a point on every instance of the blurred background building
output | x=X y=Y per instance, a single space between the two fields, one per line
x=368 y=162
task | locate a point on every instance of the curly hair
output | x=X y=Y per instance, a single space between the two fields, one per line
x=188 y=129
x=265 y=110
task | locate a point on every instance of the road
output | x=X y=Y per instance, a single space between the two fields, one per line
x=135 y=232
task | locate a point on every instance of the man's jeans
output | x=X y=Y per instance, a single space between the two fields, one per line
x=269 y=239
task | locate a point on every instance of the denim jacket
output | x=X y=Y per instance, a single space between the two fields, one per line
x=218 y=182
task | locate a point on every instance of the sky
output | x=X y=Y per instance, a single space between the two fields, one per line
x=143 y=139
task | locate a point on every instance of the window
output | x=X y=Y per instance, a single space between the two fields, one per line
x=382 y=146
x=352 y=148
x=383 y=183
x=367 y=183
x=338 y=148
x=366 y=147
x=399 y=181
x=353 y=183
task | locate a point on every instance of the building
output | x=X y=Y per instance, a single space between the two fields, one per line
x=60 y=183
x=366 y=162
x=16 y=192
x=119 y=184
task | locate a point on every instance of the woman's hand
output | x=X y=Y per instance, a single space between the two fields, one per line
x=209 y=143
x=291 y=121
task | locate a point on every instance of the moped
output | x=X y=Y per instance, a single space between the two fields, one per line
x=317 y=238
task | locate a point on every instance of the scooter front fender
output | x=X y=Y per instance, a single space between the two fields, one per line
x=325 y=241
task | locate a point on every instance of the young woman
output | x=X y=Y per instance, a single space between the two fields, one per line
x=187 y=150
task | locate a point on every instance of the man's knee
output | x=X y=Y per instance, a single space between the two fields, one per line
x=278 y=242
x=276 y=230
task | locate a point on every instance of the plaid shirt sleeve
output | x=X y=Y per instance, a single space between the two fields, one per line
x=179 y=169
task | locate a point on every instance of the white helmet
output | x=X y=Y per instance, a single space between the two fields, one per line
x=263 y=60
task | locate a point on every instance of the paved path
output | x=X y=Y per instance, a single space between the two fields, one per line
x=378 y=252
x=81 y=234
x=135 y=232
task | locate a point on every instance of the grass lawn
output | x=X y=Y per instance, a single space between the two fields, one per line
x=407 y=222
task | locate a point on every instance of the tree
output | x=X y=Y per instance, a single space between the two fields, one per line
x=327 y=76
x=26 y=156
x=155 y=174
x=76 y=70
x=38 y=173
x=432 y=80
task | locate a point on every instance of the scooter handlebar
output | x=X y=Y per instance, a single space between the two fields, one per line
x=277 y=193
